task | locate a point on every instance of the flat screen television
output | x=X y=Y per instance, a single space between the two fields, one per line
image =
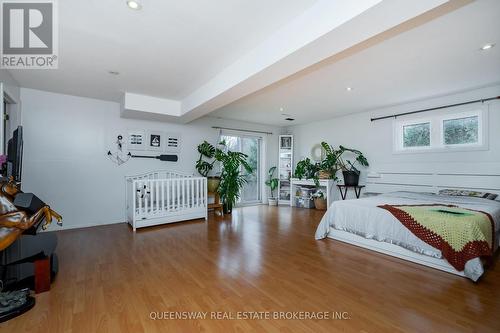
x=15 y=155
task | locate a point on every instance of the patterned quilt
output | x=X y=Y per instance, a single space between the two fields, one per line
x=460 y=234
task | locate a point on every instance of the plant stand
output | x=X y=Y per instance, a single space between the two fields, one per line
x=357 y=190
x=217 y=205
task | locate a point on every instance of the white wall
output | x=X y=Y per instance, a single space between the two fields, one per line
x=375 y=139
x=65 y=143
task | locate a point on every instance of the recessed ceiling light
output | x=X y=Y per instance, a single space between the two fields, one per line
x=348 y=88
x=133 y=5
x=487 y=46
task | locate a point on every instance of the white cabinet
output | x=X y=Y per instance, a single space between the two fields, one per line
x=285 y=163
x=327 y=185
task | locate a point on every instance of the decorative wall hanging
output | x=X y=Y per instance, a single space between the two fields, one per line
x=119 y=155
x=173 y=143
x=136 y=139
x=318 y=153
x=164 y=158
x=155 y=141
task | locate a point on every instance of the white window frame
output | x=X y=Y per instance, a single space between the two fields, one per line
x=437 y=131
x=399 y=126
x=261 y=167
x=480 y=136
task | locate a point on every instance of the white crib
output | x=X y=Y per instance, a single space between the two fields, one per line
x=161 y=197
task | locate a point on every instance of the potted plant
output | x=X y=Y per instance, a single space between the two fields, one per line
x=204 y=167
x=349 y=170
x=231 y=179
x=329 y=166
x=306 y=169
x=272 y=183
x=320 y=200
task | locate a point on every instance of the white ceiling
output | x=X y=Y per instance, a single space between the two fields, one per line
x=439 y=57
x=167 y=49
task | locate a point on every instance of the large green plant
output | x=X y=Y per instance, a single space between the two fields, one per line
x=232 y=179
x=207 y=151
x=347 y=165
x=308 y=170
x=330 y=163
x=272 y=181
x=335 y=160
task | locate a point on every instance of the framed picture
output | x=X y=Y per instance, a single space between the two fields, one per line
x=156 y=141
x=136 y=140
x=173 y=143
x=286 y=142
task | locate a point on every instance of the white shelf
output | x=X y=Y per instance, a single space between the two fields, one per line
x=285 y=165
x=328 y=184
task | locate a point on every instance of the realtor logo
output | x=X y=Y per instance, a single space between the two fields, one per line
x=29 y=34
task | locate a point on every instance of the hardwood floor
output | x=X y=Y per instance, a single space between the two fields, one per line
x=259 y=259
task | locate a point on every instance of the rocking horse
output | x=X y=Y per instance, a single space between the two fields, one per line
x=14 y=222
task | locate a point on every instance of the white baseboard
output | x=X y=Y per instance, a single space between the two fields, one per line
x=55 y=227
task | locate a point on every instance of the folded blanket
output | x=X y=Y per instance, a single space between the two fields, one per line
x=461 y=234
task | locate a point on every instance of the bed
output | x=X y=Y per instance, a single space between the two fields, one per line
x=364 y=223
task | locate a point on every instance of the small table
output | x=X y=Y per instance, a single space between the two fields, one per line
x=357 y=190
x=216 y=206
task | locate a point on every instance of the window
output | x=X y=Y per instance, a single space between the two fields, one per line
x=251 y=146
x=442 y=132
x=461 y=131
x=417 y=135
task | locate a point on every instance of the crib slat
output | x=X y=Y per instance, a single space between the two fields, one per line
x=183 y=193
x=148 y=196
x=144 y=198
x=191 y=196
x=198 y=193
x=167 y=189
x=174 y=190
x=157 y=196
x=136 y=198
x=141 y=201
x=178 y=194
x=200 y=184
x=172 y=195
x=151 y=185
x=151 y=196
x=163 y=195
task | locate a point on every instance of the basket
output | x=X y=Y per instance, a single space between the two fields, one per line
x=320 y=203
x=322 y=174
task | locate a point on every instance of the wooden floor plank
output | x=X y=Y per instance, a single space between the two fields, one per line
x=257 y=259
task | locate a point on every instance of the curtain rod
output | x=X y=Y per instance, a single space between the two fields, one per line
x=436 y=108
x=241 y=130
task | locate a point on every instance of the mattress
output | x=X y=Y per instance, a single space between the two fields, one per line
x=362 y=217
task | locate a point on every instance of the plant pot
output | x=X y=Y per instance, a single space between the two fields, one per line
x=322 y=174
x=273 y=202
x=227 y=208
x=320 y=203
x=351 y=178
x=213 y=184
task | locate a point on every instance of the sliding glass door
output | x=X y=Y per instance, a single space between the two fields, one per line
x=251 y=146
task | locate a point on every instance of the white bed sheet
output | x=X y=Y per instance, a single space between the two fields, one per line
x=364 y=218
